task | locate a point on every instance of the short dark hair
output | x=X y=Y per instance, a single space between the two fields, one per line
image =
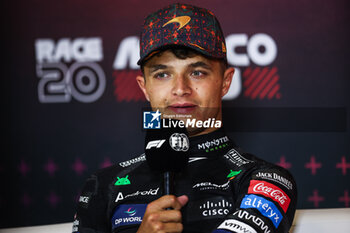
x=182 y=52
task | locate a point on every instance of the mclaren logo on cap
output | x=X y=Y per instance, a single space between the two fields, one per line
x=182 y=20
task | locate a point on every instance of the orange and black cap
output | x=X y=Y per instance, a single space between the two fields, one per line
x=182 y=25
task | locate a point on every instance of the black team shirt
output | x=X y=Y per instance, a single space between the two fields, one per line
x=229 y=191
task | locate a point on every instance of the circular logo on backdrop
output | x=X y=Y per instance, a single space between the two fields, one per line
x=179 y=142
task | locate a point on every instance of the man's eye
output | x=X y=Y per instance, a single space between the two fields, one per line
x=161 y=75
x=198 y=73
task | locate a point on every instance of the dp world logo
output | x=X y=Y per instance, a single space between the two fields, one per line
x=130 y=211
x=151 y=120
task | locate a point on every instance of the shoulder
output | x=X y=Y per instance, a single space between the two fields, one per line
x=119 y=169
x=259 y=169
x=269 y=171
x=103 y=177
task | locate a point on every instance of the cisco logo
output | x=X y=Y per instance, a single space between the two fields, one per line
x=220 y=208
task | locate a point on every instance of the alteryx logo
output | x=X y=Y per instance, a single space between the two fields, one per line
x=151 y=120
x=264 y=206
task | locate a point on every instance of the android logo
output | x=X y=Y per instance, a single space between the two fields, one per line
x=233 y=174
x=123 y=181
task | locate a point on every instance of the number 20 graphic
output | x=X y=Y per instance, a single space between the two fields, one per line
x=85 y=82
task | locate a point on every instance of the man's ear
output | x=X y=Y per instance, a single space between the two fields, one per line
x=142 y=84
x=228 y=75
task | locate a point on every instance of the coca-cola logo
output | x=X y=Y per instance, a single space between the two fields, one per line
x=275 y=193
x=269 y=190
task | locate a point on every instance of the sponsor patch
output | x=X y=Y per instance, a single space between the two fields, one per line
x=234 y=157
x=122 y=181
x=84 y=199
x=75 y=226
x=245 y=215
x=234 y=225
x=274 y=176
x=150 y=192
x=214 y=144
x=211 y=186
x=128 y=215
x=265 y=207
x=133 y=161
x=271 y=191
x=233 y=174
x=217 y=207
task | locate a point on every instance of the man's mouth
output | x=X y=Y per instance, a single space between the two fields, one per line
x=184 y=108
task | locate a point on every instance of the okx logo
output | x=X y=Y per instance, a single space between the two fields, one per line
x=151 y=120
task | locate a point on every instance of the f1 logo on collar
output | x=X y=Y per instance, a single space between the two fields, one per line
x=155 y=143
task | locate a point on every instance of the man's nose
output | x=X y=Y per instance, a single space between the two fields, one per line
x=181 y=86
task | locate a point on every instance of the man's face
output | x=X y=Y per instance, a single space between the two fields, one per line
x=191 y=87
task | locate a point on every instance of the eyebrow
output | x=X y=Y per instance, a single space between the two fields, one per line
x=200 y=64
x=154 y=68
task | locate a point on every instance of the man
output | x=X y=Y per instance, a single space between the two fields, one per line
x=185 y=72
